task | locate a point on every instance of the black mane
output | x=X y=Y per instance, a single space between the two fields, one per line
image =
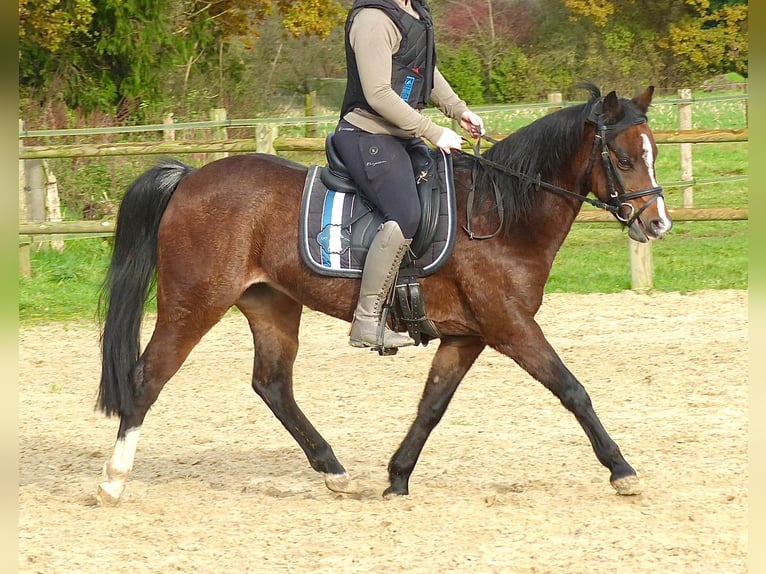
x=539 y=148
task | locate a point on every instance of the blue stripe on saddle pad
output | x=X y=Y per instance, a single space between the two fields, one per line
x=333 y=240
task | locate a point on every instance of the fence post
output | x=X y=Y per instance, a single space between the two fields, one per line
x=35 y=190
x=311 y=129
x=168 y=134
x=685 y=123
x=219 y=132
x=640 y=266
x=25 y=261
x=52 y=204
x=555 y=99
x=265 y=134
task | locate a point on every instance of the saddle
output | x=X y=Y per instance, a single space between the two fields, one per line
x=338 y=224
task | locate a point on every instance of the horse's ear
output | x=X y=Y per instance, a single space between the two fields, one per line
x=643 y=100
x=611 y=108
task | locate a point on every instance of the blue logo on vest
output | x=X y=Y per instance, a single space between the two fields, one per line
x=409 y=81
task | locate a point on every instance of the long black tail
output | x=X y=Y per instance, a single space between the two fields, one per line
x=129 y=279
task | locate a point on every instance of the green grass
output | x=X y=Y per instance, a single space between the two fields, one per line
x=710 y=162
x=695 y=255
x=64 y=285
x=702 y=255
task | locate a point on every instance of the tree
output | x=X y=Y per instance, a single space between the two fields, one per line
x=48 y=24
x=47 y=29
x=714 y=42
x=119 y=56
x=215 y=24
x=131 y=47
x=488 y=28
x=510 y=79
x=692 y=38
x=463 y=70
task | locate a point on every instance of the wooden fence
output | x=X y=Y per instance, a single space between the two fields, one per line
x=267 y=140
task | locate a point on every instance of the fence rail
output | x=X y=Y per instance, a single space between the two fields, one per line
x=298 y=144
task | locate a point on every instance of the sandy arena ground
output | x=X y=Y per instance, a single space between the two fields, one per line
x=507 y=482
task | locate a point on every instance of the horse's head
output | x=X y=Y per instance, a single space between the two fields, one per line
x=622 y=165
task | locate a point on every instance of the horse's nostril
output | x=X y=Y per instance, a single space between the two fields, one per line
x=659 y=227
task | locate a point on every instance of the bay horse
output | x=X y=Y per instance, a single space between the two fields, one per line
x=226 y=235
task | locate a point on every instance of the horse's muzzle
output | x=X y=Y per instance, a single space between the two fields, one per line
x=649 y=221
x=650 y=225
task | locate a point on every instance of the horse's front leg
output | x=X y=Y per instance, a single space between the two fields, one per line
x=530 y=349
x=451 y=362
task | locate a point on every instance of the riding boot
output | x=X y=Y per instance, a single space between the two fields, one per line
x=380 y=268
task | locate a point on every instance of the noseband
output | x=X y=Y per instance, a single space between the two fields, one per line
x=617 y=204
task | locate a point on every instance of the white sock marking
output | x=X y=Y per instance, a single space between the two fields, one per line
x=125 y=451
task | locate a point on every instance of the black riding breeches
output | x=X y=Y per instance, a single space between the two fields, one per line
x=380 y=165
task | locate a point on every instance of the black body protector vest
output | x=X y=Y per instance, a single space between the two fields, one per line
x=412 y=67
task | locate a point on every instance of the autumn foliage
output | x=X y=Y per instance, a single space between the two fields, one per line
x=135 y=59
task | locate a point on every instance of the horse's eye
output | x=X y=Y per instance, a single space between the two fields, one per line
x=624 y=163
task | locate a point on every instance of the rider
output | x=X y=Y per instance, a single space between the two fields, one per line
x=392 y=75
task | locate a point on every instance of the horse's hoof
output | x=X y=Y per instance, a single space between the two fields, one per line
x=340 y=483
x=108 y=494
x=391 y=493
x=627 y=485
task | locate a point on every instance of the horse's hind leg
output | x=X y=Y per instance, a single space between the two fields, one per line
x=274 y=319
x=451 y=362
x=171 y=343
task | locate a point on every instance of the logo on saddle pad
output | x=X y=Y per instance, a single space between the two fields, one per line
x=338 y=225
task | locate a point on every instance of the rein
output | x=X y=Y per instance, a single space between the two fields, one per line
x=617 y=201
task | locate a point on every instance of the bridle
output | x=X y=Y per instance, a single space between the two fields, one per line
x=617 y=204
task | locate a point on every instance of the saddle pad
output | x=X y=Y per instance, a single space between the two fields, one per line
x=336 y=229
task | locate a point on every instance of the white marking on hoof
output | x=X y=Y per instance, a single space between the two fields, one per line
x=390 y=495
x=117 y=469
x=110 y=491
x=340 y=483
x=627 y=485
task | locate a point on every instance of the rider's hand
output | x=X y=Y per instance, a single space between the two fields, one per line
x=472 y=123
x=449 y=140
